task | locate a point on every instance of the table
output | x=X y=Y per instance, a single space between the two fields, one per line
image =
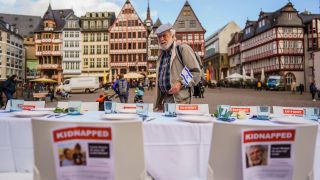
x=173 y=150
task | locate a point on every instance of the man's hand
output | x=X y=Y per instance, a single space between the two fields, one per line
x=176 y=88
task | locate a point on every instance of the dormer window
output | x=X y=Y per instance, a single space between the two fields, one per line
x=248 y=30
x=262 y=23
x=290 y=16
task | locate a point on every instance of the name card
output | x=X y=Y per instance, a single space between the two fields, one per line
x=192 y=108
x=289 y=111
x=129 y=107
x=26 y=107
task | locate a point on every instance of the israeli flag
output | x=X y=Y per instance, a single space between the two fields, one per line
x=186 y=75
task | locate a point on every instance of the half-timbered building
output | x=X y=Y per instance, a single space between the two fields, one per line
x=274 y=43
x=311 y=48
x=128 y=42
x=48 y=43
x=189 y=29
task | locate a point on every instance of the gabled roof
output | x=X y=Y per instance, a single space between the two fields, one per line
x=307 y=18
x=48 y=14
x=24 y=23
x=120 y=13
x=157 y=23
x=271 y=20
x=59 y=16
x=236 y=38
x=192 y=17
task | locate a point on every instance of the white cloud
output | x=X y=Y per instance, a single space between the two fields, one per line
x=80 y=7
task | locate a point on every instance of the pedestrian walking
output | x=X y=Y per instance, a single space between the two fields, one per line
x=169 y=87
x=301 y=88
x=121 y=87
x=313 y=90
x=9 y=87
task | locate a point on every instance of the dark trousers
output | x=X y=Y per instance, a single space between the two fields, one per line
x=123 y=99
x=313 y=95
x=9 y=95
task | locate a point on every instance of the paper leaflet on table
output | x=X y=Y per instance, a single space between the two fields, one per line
x=268 y=154
x=83 y=152
x=186 y=75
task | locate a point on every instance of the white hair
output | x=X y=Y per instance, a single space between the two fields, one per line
x=172 y=31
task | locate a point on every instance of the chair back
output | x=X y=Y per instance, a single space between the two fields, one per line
x=225 y=159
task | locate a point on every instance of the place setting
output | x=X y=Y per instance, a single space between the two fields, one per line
x=191 y=113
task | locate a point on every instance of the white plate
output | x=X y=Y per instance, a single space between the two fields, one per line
x=291 y=120
x=31 y=113
x=127 y=111
x=195 y=119
x=44 y=109
x=190 y=113
x=119 y=116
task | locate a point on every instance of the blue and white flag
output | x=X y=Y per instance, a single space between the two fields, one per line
x=186 y=75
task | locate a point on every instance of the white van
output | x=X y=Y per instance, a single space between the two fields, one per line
x=81 y=84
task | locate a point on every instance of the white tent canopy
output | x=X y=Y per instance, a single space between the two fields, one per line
x=236 y=76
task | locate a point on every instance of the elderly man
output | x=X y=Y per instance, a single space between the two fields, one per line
x=256 y=153
x=169 y=86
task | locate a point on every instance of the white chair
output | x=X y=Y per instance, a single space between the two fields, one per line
x=131 y=162
x=288 y=111
x=37 y=104
x=249 y=110
x=225 y=158
x=90 y=106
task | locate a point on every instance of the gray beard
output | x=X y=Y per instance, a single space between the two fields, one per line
x=165 y=47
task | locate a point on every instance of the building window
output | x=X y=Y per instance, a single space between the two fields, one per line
x=91 y=63
x=181 y=24
x=98 y=62
x=85 y=50
x=248 y=30
x=105 y=62
x=290 y=16
x=85 y=37
x=77 y=54
x=290 y=78
x=105 y=49
x=66 y=34
x=92 y=49
x=189 y=37
x=98 y=49
x=98 y=36
x=192 y=24
x=92 y=37
x=85 y=62
x=76 y=34
x=105 y=37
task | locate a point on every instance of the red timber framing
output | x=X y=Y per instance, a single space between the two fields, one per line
x=196 y=41
x=49 y=52
x=128 y=43
x=278 y=49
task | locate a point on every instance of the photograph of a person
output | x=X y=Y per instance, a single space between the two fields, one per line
x=73 y=155
x=256 y=155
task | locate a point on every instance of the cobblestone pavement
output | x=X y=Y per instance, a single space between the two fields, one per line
x=230 y=96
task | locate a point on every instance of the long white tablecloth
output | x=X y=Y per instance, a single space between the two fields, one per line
x=174 y=150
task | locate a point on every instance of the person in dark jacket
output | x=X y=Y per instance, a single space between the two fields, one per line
x=313 y=91
x=9 y=86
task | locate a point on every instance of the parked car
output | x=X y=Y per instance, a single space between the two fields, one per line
x=81 y=84
x=275 y=83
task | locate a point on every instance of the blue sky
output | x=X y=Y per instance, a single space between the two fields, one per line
x=213 y=14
